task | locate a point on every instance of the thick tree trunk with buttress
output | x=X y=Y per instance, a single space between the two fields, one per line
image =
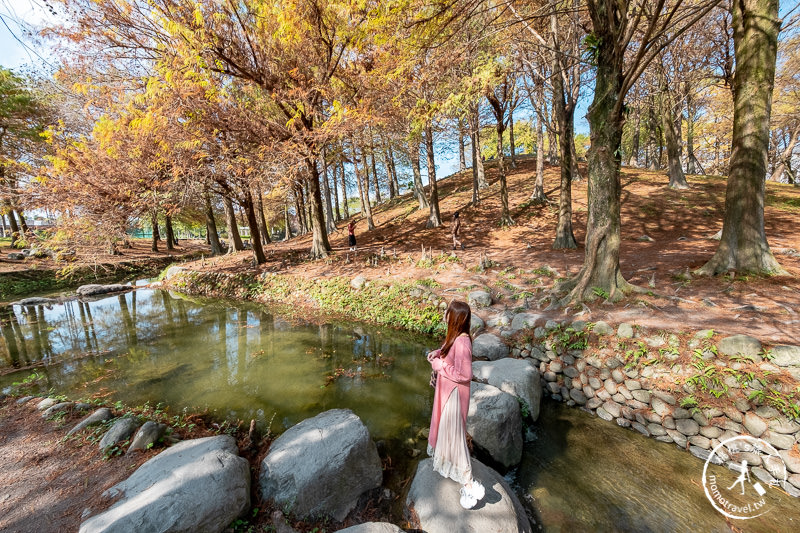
x=743 y=246
x=434 y=218
x=319 y=240
x=234 y=240
x=670 y=123
x=252 y=223
x=413 y=155
x=12 y=221
x=211 y=226
x=600 y=272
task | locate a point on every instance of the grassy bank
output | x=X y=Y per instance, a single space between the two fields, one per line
x=409 y=305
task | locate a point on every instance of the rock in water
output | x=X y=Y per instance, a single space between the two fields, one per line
x=120 y=431
x=101 y=415
x=488 y=346
x=198 y=485
x=518 y=377
x=36 y=301
x=434 y=499
x=321 y=466
x=93 y=290
x=495 y=423
x=372 y=527
x=147 y=436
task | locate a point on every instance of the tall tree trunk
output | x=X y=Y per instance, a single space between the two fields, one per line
x=565 y=238
x=307 y=205
x=538 y=189
x=690 y=157
x=170 y=233
x=363 y=190
x=633 y=157
x=262 y=219
x=413 y=155
x=330 y=226
x=434 y=219
x=154 y=223
x=462 y=162
x=336 y=193
x=652 y=139
x=211 y=226
x=394 y=168
x=476 y=146
x=234 y=240
x=344 y=191
x=505 y=213
x=511 y=141
x=252 y=223
x=287 y=234
x=670 y=123
x=374 y=170
x=387 y=153
x=786 y=155
x=320 y=246
x=743 y=246
x=476 y=161
x=300 y=208
x=601 y=270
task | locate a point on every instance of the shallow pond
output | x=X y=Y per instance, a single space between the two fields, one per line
x=245 y=362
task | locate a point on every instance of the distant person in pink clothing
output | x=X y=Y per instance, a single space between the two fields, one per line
x=447 y=440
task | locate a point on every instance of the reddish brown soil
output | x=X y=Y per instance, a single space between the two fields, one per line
x=46 y=483
x=679 y=222
x=92 y=257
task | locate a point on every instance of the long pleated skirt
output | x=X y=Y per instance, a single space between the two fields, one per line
x=451 y=455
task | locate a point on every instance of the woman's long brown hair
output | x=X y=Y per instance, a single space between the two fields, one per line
x=459 y=318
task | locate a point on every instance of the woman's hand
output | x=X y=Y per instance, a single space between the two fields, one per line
x=436 y=363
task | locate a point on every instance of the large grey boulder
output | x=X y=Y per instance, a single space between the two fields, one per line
x=319 y=467
x=372 y=527
x=94 y=290
x=173 y=271
x=53 y=409
x=119 y=432
x=495 y=423
x=488 y=346
x=435 y=500
x=479 y=299
x=524 y=321
x=786 y=355
x=45 y=404
x=198 y=485
x=518 y=377
x=99 y=416
x=740 y=345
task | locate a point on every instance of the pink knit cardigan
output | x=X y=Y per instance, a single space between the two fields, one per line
x=455 y=370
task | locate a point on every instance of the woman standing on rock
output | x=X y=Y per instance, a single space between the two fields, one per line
x=447 y=440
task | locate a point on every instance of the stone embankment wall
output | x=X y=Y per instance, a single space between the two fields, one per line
x=694 y=390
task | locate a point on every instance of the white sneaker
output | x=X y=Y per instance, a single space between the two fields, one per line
x=476 y=490
x=467 y=501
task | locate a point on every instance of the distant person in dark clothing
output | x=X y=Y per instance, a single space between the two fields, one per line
x=455 y=230
x=351 y=234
